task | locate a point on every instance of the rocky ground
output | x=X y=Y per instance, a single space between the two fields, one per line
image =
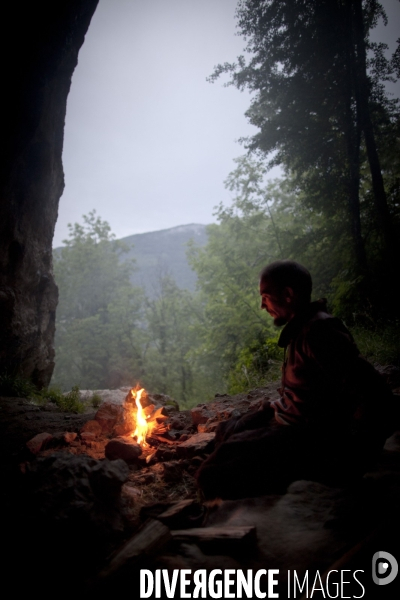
x=82 y=502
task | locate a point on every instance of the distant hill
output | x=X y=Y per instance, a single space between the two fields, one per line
x=159 y=253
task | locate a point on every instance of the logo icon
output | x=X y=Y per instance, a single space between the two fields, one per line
x=384 y=568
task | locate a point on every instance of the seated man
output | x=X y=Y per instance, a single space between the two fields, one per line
x=334 y=413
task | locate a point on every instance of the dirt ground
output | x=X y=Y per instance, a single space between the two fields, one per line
x=310 y=528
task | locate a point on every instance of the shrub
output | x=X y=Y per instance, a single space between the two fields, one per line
x=71 y=402
x=16 y=386
x=95 y=400
x=256 y=366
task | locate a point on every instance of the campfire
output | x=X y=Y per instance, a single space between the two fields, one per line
x=150 y=422
x=143 y=427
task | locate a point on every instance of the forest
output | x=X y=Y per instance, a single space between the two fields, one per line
x=322 y=110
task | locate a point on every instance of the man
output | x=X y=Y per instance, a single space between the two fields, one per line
x=334 y=411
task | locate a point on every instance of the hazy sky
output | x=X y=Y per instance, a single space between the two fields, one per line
x=148 y=141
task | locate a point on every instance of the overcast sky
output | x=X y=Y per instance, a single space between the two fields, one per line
x=148 y=141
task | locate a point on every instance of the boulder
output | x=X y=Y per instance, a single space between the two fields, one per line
x=200 y=414
x=124 y=448
x=70 y=436
x=78 y=491
x=32 y=178
x=200 y=443
x=93 y=426
x=39 y=442
x=108 y=416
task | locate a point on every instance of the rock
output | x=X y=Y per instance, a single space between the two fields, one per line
x=93 y=427
x=87 y=436
x=39 y=442
x=164 y=453
x=70 y=436
x=79 y=493
x=173 y=471
x=32 y=134
x=163 y=400
x=200 y=414
x=124 y=448
x=181 y=420
x=107 y=477
x=200 y=443
x=205 y=417
x=208 y=427
x=108 y=416
x=116 y=396
x=57 y=440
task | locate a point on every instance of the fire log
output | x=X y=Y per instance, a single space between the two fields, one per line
x=147 y=541
x=221 y=539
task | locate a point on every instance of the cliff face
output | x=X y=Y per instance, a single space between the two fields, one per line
x=40 y=54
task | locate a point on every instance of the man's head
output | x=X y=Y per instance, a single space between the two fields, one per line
x=285 y=289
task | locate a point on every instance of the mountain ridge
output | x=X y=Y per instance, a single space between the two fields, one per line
x=160 y=253
x=163 y=252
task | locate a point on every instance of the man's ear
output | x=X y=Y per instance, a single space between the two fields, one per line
x=288 y=294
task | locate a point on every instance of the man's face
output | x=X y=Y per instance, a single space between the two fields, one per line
x=277 y=303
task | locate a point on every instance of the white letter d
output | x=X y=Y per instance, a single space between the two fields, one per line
x=146 y=574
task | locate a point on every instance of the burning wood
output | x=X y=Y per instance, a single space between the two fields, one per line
x=149 y=422
x=142 y=426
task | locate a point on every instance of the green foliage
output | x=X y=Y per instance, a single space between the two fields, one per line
x=257 y=364
x=98 y=335
x=321 y=111
x=52 y=394
x=265 y=222
x=378 y=341
x=14 y=385
x=169 y=366
x=192 y=346
x=19 y=387
x=95 y=400
x=70 y=402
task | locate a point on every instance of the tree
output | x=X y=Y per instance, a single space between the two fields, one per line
x=169 y=366
x=265 y=222
x=313 y=99
x=98 y=334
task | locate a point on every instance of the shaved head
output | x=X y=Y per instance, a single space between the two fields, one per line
x=282 y=274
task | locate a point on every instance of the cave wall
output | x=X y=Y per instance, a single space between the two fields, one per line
x=40 y=46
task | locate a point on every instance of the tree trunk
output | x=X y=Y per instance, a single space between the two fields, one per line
x=352 y=129
x=362 y=89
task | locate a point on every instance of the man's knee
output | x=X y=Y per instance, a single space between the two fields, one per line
x=249 y=421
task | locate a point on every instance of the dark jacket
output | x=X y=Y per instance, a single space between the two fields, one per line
x=325 y=380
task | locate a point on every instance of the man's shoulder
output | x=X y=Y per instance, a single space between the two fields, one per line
x=315 y=324
x=323 y=324
x=324 y=334
x=321 y=321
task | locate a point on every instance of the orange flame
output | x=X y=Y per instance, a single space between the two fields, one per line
x=142 y=427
